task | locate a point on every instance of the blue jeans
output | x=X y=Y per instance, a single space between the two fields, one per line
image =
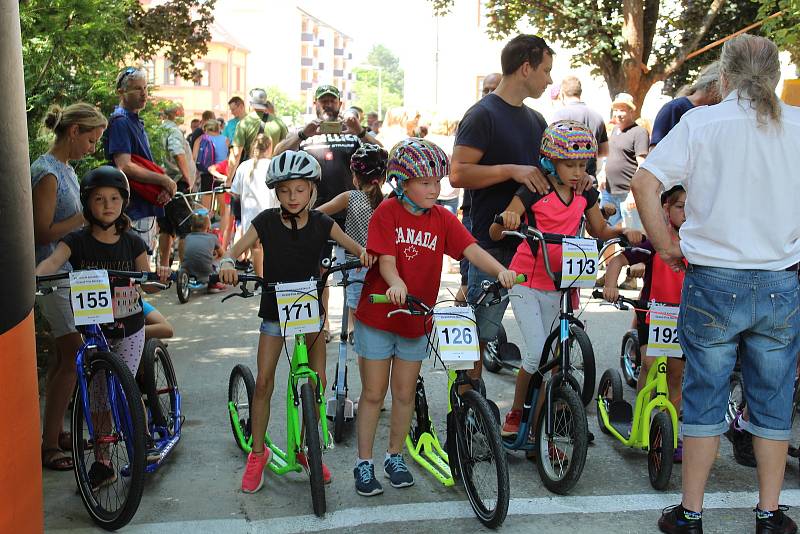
x=451 y=205
x=616 y=200
x=757 y=311
x=488 y=319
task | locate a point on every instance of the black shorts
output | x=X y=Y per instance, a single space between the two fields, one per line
x=177 y=218
x=236 y=208
x=642 y=328
x=208 y=182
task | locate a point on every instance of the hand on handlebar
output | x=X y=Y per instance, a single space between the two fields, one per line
x=228 y=274
x=507 y=278
x=367 y=259
x=634 y=237
x=397 y=294
x=163 y=273
x=610 y=293
x=511 y=220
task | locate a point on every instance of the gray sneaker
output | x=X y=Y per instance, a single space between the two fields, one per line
x=395 y=469
x=366 y=483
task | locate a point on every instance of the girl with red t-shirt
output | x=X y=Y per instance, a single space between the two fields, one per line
x=567 y=146
x=408 y=233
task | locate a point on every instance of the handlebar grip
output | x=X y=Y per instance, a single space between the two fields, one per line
x=520 y=279
x=377 y=298
x=498 y=219
x=597 y=294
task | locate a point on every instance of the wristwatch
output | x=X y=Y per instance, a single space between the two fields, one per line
x=363 y=133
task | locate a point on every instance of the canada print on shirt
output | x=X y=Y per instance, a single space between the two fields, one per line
x=414 y=238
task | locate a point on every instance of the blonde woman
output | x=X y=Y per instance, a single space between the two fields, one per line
x=56 y=212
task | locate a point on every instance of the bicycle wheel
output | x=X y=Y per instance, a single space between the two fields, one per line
x=608 y=391
x=241 y=386
x=338 y=422
x=491 y=356
x=118 y=439
x=629 y=358
x=182 y=285
x=420 y=422
x=581 y=359
x=662 y=447
x=482 y=460
x=313 y=449
x=736 y=400
x=160 y=385
x=562 y=454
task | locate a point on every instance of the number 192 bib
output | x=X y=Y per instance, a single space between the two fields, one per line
x=663 y=334
x=578 y=262
x=458 y=337
x=298 y=310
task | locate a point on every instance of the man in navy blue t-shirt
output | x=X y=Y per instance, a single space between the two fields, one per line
x=497 y=149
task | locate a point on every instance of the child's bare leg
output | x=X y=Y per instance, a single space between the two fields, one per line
x=375 y=382
x=269 y=350
x=404 y=381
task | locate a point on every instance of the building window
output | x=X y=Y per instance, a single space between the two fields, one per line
x=203 y=79
x=150 y=68
x=169 y=74
x=238 y=78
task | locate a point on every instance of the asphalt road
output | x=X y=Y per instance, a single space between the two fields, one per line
x=197 y=490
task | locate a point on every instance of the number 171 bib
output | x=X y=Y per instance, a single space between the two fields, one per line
x=298 y=310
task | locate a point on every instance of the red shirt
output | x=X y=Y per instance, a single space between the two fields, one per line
x=418 y=243
x=549 y=214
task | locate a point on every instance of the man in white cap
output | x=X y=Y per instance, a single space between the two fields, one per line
x=260 y=119
x=627 y=148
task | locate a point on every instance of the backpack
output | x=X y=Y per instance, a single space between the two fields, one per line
x=205 y=155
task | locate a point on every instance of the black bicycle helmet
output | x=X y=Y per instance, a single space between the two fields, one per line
x=293 y=165
x=672 y=190
x=369 y=160
x=104 y=176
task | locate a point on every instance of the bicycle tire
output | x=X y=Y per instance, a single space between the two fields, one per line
x=660 y=451
x=569 y=430
x=583 y=372
x=338 y=422
x=629 y=358
x=160 y=385
x=124 y=445
x=474 y=418
x=609 y=391
x=313 y=449
x=420 y=421
x=241 y=377
x=182 y=285
x=736 y=401
x=491 y=354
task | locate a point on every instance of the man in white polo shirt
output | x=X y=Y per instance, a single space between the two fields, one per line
x=741 y=238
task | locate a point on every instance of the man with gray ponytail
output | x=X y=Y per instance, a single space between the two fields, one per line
x=737 y=161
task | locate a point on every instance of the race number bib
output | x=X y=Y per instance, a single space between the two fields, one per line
x=578 y=262
x=91 y=297
x=458 y=337
x=664 y=332
x=298 y=310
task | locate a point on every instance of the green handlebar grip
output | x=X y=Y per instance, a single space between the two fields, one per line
x=377 y=298
x=520 y=279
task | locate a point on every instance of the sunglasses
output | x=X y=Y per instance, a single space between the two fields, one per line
x=125 y=73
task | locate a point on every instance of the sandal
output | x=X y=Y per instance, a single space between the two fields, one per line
x=56 y=460
x=65 y=441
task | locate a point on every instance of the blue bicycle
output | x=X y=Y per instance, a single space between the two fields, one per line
x=111 y=438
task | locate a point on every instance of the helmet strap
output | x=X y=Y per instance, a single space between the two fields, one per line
x=287 y=215
x=402 y=197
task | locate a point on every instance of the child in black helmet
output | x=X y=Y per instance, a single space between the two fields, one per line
x=293 y=237
x=108 y=243
x=368 y=165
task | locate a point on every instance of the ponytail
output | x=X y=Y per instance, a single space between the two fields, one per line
x=371 y=186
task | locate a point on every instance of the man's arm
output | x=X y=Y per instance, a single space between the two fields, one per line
x=234 y=156
x=292 y=141
x=180 y=160
x=602 y=150
x=645 y=187
x=468 y=174
x=140 y=174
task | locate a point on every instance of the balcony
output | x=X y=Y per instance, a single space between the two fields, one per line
x=350 y=55
x=321 y=66
x=306 y=61
x=321 y=42
x=305 y=85
x=306 y=37
x=338 y=51
x=338 y=73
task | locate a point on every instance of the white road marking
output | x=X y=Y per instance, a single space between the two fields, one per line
x=396 y=513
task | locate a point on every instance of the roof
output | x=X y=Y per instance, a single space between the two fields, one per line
x=220 y=35
x=322 y=22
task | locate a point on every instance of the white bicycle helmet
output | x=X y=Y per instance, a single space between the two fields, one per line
x=293 y=165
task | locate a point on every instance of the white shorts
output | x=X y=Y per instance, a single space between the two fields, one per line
x=536 y=312
x=56 y=308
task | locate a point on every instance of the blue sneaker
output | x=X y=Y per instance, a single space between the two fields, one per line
x=395 y=469
x=676 y=520
x=366 y=483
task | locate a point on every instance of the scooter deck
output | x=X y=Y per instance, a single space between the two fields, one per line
x=620 y=415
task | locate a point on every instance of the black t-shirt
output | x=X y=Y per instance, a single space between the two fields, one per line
x=507 y=135
x=580 y=112
x=192 y=137
x=86 y=253
x=623 y=147
x=333 y=152
x=288 y=258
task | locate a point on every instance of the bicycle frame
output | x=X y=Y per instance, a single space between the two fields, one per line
x=640 y=427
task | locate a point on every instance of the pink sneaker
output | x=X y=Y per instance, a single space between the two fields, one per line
x=326 y=473
x=217 y=288
x=253 y=477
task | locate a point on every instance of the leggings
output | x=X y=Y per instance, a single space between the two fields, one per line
x=129 y=349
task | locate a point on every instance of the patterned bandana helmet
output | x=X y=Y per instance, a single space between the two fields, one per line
x=568 y=140
x=369 y=160
x=416 y=158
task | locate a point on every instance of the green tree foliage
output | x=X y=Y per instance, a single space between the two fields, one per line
x=366 y=84
x=73 y=49
x=784 y=30
x=284 y=105
x=632 y=44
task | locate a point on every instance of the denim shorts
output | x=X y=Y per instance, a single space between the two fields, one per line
x=353 y=290
x=374 y=344
x=489 y=319
x=757 y=311
x=275 y=328
x=615 y=200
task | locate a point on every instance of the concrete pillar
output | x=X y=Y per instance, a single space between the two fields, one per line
x=20 y=437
